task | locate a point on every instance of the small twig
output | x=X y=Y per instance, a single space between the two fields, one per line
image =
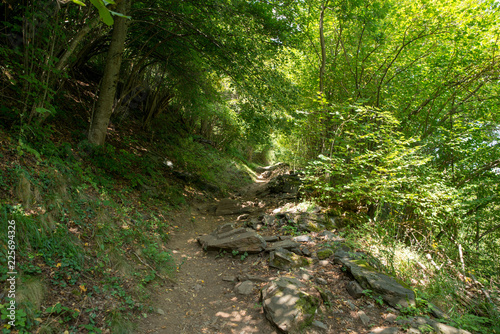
x=155 y=272
x=429 y=257
x=461 y=257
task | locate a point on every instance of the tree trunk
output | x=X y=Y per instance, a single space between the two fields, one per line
x=74 y=43
x=323 y=48
x=104 y=108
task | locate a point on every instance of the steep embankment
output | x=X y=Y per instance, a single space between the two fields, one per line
x=92 y=223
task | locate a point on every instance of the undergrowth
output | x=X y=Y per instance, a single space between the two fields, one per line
x=470 y=300
x=92 y=225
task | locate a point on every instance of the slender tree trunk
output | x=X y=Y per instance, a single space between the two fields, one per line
x=74 y=43
x=323 y=48
x=104 y=108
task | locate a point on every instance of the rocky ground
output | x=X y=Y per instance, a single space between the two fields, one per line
x=255 y=282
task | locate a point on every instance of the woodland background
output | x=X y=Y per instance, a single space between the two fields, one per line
x=390 y=109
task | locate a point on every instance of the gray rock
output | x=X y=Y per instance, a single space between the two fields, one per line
x=228 y=238
x=304 y=274
x=354 y=289
x=228 y=206
x=224 y=228
x=229 y=279
x=319 y=324
x=327 y=235
x=324 y=253
x=413 y=331
x=321 y=281
x=404 y=322
x=391 y=318
x=391 y=290
x=269 y=220
x=313 y=222
x=287 y=305
x=254 y=224
x=436 y=312
x=285 y=244
x=252 y=278
x=351 y=305
x=327 y=296
x=245 y=288
x=424 y=324
x=271 y=238
x=284 y=260
x=324 y=263
x=160 y=311
x=302 y=238
x=305 y=251
x=389 y=330
x=288 y=184
x=364 y=318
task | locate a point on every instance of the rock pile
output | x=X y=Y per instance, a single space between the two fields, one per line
x=291 y=300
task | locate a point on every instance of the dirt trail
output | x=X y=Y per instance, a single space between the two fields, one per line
x=201 y=301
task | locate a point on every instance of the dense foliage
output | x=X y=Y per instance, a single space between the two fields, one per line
x=400 y=122
x=390 y=108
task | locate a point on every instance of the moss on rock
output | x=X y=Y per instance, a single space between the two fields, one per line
x=324 y=253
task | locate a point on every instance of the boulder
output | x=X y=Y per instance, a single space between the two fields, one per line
x=313 y=222
x=324 y=253
x=363 y=317
x=254 y=224
x=425 y=324
x=319 y=324
x=269 y=220
x=287 y=305
x=354 y=289
x=229 y=206
x=253 y=278
x=285 y=260
x=271 y=238
x=391 y=291
x=288 y=184
x=305 y=251
x=327 y=296
x=245 y=288
x=436 y=312
x=330 y=236
x=302 y=238
x=388 y=330
x=285 y=244
x=227 y=237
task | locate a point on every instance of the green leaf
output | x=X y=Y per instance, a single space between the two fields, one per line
x=43 y=110
x=120 y=14
x=78 y=2
x=104 y=13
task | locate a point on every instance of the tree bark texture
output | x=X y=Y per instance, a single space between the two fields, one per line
x=104 y=108
x=323 y=47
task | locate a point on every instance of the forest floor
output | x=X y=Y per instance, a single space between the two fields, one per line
x=203 y=298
